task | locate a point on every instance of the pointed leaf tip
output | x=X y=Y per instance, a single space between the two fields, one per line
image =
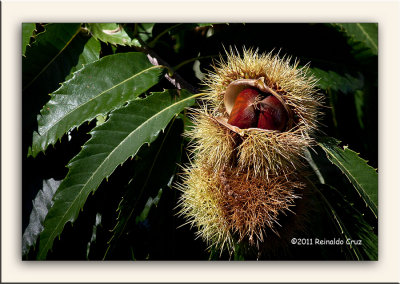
x=363 y=177
x=73 y=103
x=110 y=145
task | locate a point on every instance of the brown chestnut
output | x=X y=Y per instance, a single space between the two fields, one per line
x=244 y=114
x=273 y=115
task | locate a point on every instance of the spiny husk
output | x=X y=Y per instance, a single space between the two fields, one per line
x=292 y=226
x=252 y=205
x=227 y=204
x=199 y=204
x=210 y=143
x=263 y=151
x=261 y=154
x=293 y=84
x=257 y=152
x=241 y=181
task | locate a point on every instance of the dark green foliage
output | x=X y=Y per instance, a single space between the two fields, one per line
x=363 y=177
x=115 y=118
x=27 y=33
x=46 y=49
x=41 y=205
x=352 y=219
x=89 y=94
x=120 y=137
x=362 y=36
x=110 y=33
x=153 y=172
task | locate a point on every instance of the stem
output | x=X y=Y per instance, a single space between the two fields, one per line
x=192 y=59
x=174 y=78
x=154 y=41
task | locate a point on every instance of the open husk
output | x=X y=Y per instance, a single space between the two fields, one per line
x=240 y=181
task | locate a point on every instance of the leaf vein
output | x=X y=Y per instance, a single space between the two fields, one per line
x=46 y=130
x=367 y=36
x=52 y=60
x=52 y=235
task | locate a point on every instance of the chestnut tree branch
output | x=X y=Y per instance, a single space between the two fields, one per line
x=174 y=78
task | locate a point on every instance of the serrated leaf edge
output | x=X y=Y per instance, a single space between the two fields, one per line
x=110 y=34
x=352 y=37
x=141 y=191
x=85 y=103
x=52 y=60
x=32 y=36
x=368 y=37
x=51 y=238
x=353 y=180
x=343 y=231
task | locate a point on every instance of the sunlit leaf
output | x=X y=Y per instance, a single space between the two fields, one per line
x=366 y=33
x=363 y=177
x=27 y=32
x=55 y=53
x=144 y=32
x=110 y=33
x=94 y=234
x=97 y=88
x=338 y=200
x=90 y=53
x=350 y=224
x=154 y=168
x=48 y=46
x=205 y=24
x=41 y=205
x=112 y=142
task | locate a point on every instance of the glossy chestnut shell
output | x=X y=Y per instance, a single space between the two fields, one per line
x=252 y=104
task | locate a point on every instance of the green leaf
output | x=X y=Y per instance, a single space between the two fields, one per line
x=97 y=88
x=112 y=142
x=366 y=33
x=110 y=33
x=350 y=224
x=27 y=32
x=50 y=60
x=363 y=177
x=205 y=24
x=81 y=49
x=48 y=46
x=154 y=168
x=342 y=207
x=359 y=103
x=334 y=81
x=161 y=34
x=144 y=31
x=150 y=203
x=94 y=234
x=90 y=53
x=41 y=205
